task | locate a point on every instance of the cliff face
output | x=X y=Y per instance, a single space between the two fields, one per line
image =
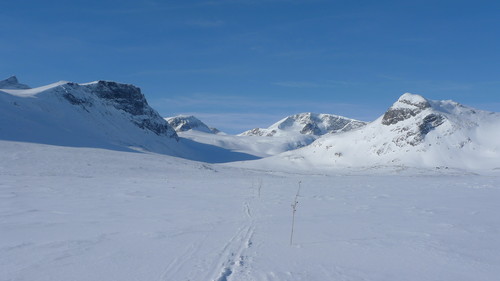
x=129 y=99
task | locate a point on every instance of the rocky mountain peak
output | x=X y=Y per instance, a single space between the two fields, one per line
x=182 y=123
x=12 y=83
x=407 y=106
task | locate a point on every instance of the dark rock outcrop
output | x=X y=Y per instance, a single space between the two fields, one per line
x=130 y=99
x=405 y=108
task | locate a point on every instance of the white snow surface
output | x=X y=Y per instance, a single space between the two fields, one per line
x=251 y=145
x=97 y=214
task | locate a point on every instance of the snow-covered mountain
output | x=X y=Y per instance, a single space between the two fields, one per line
x=98 y=114
x=414 y=132
x=182 y=123
x=12 y=83
x=307 y=124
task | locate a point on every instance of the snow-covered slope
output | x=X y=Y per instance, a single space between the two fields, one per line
x=307 y=124
x=182 y=123
x=260 y=147
x=413 y=132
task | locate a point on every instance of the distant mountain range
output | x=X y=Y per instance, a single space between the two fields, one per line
x=414 y=131
x=307 y=124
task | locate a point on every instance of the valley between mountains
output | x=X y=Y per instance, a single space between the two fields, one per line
x=96 y=185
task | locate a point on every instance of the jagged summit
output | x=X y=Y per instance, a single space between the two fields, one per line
x=12 y=83
x=307 y=124
x=182 y=123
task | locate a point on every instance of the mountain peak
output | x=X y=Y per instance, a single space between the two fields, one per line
x=412 y=100
x=12 y=79
x=183 y=123
x=12 y=83
x=407 y=106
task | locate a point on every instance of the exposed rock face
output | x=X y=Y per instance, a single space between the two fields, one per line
x=123 y=96
x=430 y=122
x=129 y=99
x=259 y=132
x=407 y=106
x=308 y=124
x=420 y=116
x=184 y=123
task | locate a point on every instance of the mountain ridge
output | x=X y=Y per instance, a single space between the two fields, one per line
x=307 y=123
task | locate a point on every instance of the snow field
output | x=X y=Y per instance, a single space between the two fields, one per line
x=93 y=214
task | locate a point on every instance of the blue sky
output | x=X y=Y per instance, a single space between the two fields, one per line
x=241 y=64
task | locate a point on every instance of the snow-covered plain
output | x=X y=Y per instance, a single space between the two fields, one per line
x=96 y=214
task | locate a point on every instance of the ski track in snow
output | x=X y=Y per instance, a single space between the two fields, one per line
x=232 y=258
x=176 y=266
x=233 y=262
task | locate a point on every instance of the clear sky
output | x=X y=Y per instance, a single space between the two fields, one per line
x=240 y=64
